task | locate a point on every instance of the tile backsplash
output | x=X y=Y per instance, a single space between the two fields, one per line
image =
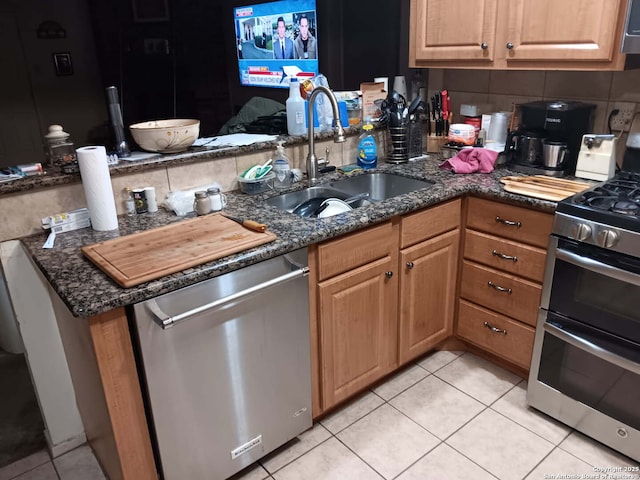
x=502 y=88
x=34 y=205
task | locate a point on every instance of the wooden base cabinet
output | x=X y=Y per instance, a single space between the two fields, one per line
x=517 y=34
x=358 y=329
x=428 y=272
x=356 y=314
x=380 y=297
x=502 y=271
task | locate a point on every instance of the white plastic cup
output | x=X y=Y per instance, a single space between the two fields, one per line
x=150 y=194
x=498 y=127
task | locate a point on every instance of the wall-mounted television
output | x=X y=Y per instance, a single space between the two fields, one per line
x=275 y=41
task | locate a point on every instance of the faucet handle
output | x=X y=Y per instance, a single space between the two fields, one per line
x=325 y=160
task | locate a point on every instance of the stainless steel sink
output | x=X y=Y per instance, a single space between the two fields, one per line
x=379 y=186
x=289 y=201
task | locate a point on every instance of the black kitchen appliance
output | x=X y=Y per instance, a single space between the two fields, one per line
x=557 y=121
x=585 y=368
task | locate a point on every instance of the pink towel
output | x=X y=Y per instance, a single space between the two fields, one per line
x=471 y=160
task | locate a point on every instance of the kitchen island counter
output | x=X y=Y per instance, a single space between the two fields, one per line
x=87 y=291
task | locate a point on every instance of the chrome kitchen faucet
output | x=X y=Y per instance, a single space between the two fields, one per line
x=312 y=160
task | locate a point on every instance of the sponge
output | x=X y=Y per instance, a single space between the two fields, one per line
x=347 y=169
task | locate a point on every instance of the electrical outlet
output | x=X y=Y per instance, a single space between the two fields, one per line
x=622 y=120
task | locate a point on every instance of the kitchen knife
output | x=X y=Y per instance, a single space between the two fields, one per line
x=250 y=224
x=445 y=111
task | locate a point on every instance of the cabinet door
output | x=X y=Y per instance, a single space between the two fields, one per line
x=428 y=287
x=562 y=30
x=358 y=329
x=453 y=29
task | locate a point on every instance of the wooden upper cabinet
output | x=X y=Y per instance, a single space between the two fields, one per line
x=517 y=34
x=562 y=30
x=448 y=30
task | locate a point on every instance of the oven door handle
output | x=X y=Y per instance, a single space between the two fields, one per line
x=592 y=348
x=598 y=267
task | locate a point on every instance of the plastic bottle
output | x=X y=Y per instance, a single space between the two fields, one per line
x=281 y=169
x=295 y=110
x=367 y=147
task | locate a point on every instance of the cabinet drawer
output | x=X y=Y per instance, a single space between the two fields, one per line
x=515 y=223
x=484 y=286
x=512 y=257
x=428 y=223
x=516 y=345
x=354 y=250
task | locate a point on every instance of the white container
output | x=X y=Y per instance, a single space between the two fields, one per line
x=295 y=110
x=462 y=133
x=253 y=186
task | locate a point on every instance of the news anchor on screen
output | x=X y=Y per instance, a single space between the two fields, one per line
x=282 y=46
x=305 y=43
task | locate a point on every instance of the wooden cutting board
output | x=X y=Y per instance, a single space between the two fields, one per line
x=543 y=187
x=141 y=257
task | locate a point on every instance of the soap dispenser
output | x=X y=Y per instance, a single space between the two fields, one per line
x=281 y=169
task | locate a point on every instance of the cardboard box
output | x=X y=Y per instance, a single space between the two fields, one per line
x=372 y=92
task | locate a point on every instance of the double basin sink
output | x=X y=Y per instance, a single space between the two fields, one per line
x=379 y=186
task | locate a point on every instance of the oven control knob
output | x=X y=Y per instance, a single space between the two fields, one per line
x=581 y=231
x=607 y=238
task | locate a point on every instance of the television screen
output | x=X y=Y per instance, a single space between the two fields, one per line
x=276 y=41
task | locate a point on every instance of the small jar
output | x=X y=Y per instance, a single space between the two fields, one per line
x=129 y=203
x=140 y=200
x=59 y=147
x=216 y=199
x=202 y=204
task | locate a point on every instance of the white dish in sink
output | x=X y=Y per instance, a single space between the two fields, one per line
x=334 y=207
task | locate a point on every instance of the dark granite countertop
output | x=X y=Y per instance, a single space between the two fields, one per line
x=87 y=291
x=54 y=176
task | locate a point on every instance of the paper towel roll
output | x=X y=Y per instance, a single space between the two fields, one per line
x=96 y=182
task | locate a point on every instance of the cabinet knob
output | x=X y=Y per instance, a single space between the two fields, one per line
x=484 y=45
x=389 y=274
x=409 y=265
x=510 y=45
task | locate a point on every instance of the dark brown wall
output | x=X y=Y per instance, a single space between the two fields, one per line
x=198 y=77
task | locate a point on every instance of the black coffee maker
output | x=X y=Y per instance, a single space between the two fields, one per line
x=548 y=139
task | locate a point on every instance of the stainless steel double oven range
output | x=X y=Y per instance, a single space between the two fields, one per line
x=585 y=369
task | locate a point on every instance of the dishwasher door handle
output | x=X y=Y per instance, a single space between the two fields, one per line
x=165 y=320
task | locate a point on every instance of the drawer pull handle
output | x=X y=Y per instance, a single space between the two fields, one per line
x=499 y=288
x=410 y=265
x=388 y=274
x=509 y=223
x=503 y=256
x=494 y=329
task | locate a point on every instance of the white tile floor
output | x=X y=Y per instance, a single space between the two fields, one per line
x=448 y=416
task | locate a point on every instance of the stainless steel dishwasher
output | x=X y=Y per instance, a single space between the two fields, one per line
x=227 y=367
